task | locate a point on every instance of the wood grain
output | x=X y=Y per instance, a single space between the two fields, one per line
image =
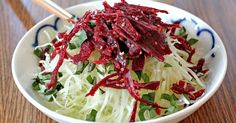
x=18 y=16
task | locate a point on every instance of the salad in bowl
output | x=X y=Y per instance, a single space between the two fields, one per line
x=123 y=63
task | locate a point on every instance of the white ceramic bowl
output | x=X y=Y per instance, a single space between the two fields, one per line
x=24 y=62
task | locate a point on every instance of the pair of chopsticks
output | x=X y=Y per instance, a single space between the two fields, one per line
x=54 y=8
x=58 y=11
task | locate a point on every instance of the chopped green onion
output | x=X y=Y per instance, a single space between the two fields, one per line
x=100 y=72
x=59 y=86
x=50 y=92
x=107 y=65
x=139 y=74
x=109 y=23
x=56 y=88
x=92 y=115
x=36 y=86
x=152 y=113
x=169 y=97
x=81 y=37
x=172 y=99
x=91 y=67
x=142 y=75
x=38 y=81
x=166 y=97
x=141 y=113
x=51 y=98
x=81 y=67
x=45 y=77
x=172 y=109
x=91 y=24
x=86 y=62
x=185 y=36
x=60 y=74
x=143 y=108
x=145 y=77
x=91 y=79
x=167 y=64
x=149 y=97
x=72 y=46
x=110 y=71
x=38 y=52
x=182 y=31
x=50 y=49
x=111 y=67
x=192 y=41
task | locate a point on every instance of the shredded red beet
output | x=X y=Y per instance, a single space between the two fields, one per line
x=158 y=111
x=86 y=49
x=199 y=67
x=197 y=94
x=132 y=118
x=133 y=30
x=138 y=63
x=186 y=88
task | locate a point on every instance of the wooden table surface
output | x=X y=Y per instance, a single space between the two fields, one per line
x=18 y=16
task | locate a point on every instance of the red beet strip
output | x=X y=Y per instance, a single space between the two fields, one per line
x=182 y=87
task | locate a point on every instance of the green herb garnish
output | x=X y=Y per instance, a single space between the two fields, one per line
x=81 y=67
x=172 y=99
x=108 y=65
x=36 y=86
x=50 y=92
x=167 y=64
x=60 y=74
x=92 y=115
x=192 y=41
x=110 y=71
x=185 y=36
x=149 y=97
x=59 y=86
x=36 y=83
x=100 y=72
x=54 y=90
x=143 y=108
x=139 y=74
x=81 y=37
x=91 y=67
x=145 y=77
x=152 y=113
x=51 y=98
x=91 y=24
x=50 y=49
x=72 y=46
x=91 y=80
x=38 y=52
x=141 y=113
x=182 y=31
x=142 y=76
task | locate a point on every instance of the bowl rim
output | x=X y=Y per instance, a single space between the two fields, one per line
x=52 y=114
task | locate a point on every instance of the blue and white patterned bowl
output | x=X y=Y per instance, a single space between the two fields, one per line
x=24 y=62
